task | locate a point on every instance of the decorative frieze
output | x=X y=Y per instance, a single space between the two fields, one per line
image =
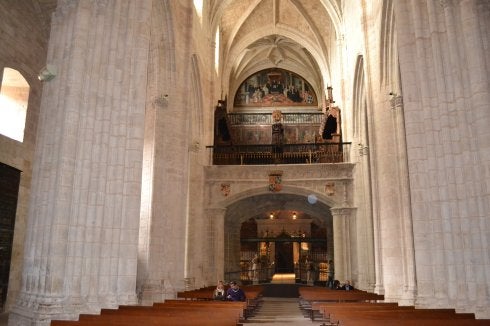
x=252 y=173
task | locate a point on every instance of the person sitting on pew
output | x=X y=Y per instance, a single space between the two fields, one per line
x=336 y=285
x=234 y=293
x=347 y=286
x=219 y=292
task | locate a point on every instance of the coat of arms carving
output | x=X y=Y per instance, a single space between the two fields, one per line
x=225 y=189
x=275 y=180
x=330 y=189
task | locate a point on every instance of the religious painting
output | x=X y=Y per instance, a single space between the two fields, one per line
x=275 y=87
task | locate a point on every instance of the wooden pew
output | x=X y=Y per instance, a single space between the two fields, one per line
x=416 y=322
x=252 y=292
x=316 y=294
x=169 y=320
x=321 y=294
x=185 y=313
x=388 y=316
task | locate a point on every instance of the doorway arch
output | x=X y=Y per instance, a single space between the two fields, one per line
x=274 y=213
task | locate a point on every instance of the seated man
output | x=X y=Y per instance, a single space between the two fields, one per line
x=234 y=293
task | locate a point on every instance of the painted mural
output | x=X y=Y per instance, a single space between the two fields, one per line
x=275 y=87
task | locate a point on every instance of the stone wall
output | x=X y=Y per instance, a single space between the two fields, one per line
x=24 y=48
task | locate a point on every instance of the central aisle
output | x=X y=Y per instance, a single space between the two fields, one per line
x=280 y=311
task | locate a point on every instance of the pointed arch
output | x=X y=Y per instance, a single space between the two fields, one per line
x=389 y=70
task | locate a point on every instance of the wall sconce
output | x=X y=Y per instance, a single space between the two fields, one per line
x=271 y=216
x=294 y=215
x=47 y=73
x=161 y=100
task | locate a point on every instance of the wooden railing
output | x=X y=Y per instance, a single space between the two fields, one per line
x=286 y=154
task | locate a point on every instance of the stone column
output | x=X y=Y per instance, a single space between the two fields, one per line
x=82 y=231
x=163 y=247
x=406 y=229
x=474 y=214
x=342 y=242
x=216 y=250
x=232 y=245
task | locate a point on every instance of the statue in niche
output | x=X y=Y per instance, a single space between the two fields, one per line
x=277 y=132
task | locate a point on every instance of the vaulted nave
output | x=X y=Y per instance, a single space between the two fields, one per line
x=153 y=147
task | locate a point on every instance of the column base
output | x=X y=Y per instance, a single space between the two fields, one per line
x=156 y=291
x=32 y=311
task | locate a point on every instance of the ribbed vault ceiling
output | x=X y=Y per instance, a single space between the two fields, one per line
x=295 y=35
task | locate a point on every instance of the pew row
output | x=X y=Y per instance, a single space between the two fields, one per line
x=193 y=309
x=369 y=313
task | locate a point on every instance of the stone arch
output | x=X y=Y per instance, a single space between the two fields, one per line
x=196 y=131
x=362 y=181
x=291 y=190
x=389 y=69
x=251 y=203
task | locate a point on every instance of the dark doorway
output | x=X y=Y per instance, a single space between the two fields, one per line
x=9 y=190
x=284 y=257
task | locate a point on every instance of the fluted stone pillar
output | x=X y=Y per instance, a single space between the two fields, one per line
x=232 y=245
x=216 y=251
x=82 y=231
x=163 y=248
x=446 y=95
x=408 y=293
x=342 y=222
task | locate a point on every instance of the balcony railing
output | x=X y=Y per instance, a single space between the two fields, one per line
x=240 y=119
x=285 y=154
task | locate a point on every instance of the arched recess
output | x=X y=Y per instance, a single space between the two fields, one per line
x=225 y=222
x=367 y=240
x=161 y=77
x=389 y=68
x=246 y=208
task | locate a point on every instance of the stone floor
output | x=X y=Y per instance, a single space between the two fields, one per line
x=280 y=311
x=4 y=319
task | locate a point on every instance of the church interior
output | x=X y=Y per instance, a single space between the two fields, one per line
x=153 y=147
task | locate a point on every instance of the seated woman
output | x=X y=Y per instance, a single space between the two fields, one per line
x=219 y=293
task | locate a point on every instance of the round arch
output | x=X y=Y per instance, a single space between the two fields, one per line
x=255 y=202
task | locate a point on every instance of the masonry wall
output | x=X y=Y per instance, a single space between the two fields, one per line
x=23 y=46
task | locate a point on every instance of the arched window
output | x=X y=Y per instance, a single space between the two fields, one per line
x=14 y=96
x=216 y=51
x=198 y=5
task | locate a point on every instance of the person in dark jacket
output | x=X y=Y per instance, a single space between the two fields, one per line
x=234 y=293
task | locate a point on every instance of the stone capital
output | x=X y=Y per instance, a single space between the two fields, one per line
x=396 y=102
x=343 y=212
